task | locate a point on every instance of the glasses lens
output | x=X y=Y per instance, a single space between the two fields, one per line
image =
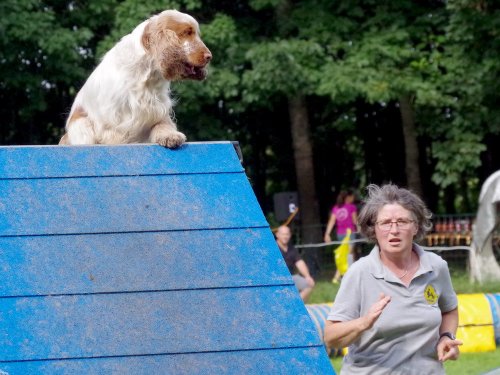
x=401 y=224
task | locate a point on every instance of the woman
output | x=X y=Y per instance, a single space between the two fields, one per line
x=396 y=308
x=344 y=215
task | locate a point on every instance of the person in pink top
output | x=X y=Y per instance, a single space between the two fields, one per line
x=344 y=215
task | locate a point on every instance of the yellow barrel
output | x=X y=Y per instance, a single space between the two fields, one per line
x=475 y=326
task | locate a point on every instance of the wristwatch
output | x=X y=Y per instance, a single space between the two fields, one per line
x=447 y=334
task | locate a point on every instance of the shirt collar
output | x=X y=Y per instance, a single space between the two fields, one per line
x=378 y=270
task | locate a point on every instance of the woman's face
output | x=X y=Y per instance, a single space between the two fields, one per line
x=395 y=237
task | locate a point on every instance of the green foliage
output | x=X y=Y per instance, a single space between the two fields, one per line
x=220 y=34
x=283 y=67
x=261 y=4
x=457 y=156
x=39 y=38
x=382 y=65
x=45 y=51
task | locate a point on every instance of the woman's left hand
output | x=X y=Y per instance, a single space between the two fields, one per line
x=448 y=349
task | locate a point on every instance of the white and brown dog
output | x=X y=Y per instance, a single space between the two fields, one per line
x=126 y=99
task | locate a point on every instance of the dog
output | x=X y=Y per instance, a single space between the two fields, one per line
x=126 y=99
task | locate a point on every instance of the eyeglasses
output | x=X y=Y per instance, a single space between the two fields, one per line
x=402 y=224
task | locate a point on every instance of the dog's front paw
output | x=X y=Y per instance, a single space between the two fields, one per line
x=172 y=140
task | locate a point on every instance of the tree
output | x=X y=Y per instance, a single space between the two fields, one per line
x=473 y=25
x=46 y=49
x=472 y=79
x=388 y=59
x=296 y=60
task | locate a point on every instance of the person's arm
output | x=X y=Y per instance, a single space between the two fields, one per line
x=329 y=228
x=304 y=271
x=342 y=334
x=446 y=347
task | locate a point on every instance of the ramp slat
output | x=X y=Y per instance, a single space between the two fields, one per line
x=153 y=323
x=292 y=361
x=122 y=160
x=127 y=204
x=140 y=261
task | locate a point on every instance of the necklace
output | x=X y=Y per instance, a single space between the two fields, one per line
x=409 y=268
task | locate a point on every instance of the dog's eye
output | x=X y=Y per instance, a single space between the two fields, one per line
x=188 y=32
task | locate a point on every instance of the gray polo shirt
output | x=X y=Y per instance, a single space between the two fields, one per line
x=403 y=340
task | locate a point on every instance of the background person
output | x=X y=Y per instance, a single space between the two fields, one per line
x=344 y=216
x=396 y=308
x=303 y=280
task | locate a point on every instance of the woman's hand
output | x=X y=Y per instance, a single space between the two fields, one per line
x=375 y=310
x=448 y=349
x=342 y=334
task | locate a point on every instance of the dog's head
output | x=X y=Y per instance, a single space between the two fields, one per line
x=173 y=40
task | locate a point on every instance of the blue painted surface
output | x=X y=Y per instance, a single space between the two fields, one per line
x=139 y=259
x=122 y=160
x=290 y=361
x=125 y=204
x=76 y=264
x=152 y=323
x=494 y=301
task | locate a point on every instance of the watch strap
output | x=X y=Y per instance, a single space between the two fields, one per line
x=447 y=334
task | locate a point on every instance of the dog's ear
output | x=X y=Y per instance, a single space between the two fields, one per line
x=146 y=37
x=159 y=32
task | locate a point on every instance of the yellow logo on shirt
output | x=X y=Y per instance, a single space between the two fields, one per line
x=430 y=294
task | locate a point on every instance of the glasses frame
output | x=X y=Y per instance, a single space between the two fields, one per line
x=400 y=224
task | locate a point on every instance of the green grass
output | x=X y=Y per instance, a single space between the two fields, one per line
x=468 y=363
x=473 y=363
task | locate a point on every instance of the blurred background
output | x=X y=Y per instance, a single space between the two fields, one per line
x=321 y=95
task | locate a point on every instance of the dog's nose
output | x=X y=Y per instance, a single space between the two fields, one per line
x=207 y=56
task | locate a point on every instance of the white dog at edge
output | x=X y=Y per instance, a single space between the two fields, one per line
x=126 y=99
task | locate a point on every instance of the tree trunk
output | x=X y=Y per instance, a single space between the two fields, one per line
x=412 y=166
x=311 y=230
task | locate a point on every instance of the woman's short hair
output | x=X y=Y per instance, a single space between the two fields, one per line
x=379 y=196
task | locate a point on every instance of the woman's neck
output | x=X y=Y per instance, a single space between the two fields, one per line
x=400 y=261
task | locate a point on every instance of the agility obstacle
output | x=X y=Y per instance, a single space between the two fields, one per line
x=140 y=259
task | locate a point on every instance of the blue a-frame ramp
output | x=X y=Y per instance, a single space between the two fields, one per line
x=137 y=259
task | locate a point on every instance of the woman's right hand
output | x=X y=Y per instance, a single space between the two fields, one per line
x=327 y=238
x=376 y=309
x=342 y=334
